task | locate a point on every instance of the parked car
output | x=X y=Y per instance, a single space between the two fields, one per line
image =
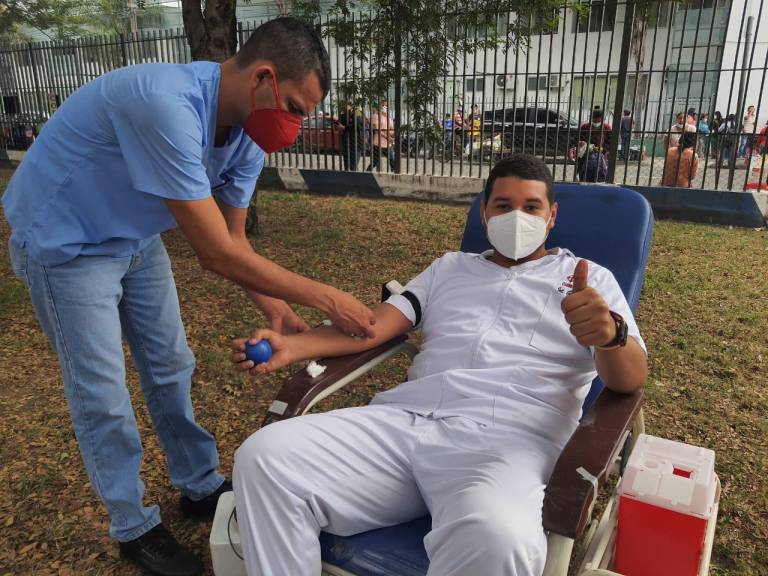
x=532 y=129
x=319 y=133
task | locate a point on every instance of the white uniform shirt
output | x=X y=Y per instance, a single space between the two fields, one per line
x=497 y=348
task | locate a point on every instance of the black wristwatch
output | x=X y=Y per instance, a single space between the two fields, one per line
x=621 y=333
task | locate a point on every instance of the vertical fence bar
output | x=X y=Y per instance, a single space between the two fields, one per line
x=663 y=82
x=688 y=95
x=527 y=111
x=483 y=113
x=599 y=34
x=504 y=112
x=474 y=101
x=465 y=112
x=710 y=108
x=629 y=14
x=649 y=83
x=751 y=137
x=633 y=105
x=549 y=115
x=674 y=94
x=514 y=91
x=484 y=80
x=36 y=78
x=763 y=166
x=572 y=75
x=732 y=153
x=536 y=115
x=457 y=130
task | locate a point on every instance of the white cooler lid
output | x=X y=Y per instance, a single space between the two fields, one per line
x=671 y=475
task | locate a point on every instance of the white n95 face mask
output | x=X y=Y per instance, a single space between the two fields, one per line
x=517 y=234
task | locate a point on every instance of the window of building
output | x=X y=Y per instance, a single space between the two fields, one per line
x=546 y=23
x=474 y=84
x=600 y=17
x=543 y=82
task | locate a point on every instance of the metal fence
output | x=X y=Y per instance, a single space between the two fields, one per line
x=702 y=55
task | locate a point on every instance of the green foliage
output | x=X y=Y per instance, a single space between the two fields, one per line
x=415 y=43
x=60 y=19
x=55 y=18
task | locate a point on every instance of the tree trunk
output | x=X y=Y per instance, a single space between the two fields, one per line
x=211 y=32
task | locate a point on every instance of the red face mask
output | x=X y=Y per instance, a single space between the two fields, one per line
x=272 y=128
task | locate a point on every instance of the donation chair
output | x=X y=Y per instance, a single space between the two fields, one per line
x=606 y=224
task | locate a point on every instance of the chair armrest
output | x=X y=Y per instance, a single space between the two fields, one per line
x=569 y=496
x=300 y=391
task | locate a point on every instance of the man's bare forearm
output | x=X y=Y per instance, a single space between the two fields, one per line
x=329 y=341
x=623 y=369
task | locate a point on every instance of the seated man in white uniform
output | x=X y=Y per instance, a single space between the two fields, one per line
x=512 y=340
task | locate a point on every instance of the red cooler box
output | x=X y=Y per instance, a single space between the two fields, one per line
x=666 y=498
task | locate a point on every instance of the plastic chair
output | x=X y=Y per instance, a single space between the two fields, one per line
x=609 y=225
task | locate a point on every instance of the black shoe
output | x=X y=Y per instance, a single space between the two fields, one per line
x=204 y=509
x=159 y=553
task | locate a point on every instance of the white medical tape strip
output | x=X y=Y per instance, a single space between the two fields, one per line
x=589 y=478
x=314 y=369
x=278 y=407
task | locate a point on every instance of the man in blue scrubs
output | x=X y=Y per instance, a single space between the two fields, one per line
x=130 y=155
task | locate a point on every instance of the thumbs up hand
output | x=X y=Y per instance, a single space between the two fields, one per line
x=586 y=312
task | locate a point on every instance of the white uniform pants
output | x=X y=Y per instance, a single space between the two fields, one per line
x=357 y=469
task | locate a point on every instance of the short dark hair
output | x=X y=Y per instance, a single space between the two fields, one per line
x=523 y=166
x=292 y=46
x=688 y=140
x=597 y=113
x=627 y=112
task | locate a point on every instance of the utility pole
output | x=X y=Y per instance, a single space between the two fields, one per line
x=744 y=68
x=132 y=15
x=621 y=86
x=740 y=100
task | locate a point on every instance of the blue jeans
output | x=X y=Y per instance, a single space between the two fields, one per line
x=84 y=307
x=745 y=141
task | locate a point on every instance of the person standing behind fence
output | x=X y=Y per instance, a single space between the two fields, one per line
x=133 y=153
x=747 y=130
x=683 y=124
x=448 y=124
x=472 y=129
x=626 y=134
x=703 y=130
x=714 y=132
x=382 y=137
x=352 y=123
x=594 y=140
x=760 y=146
x=728 y=134
x=682 y=164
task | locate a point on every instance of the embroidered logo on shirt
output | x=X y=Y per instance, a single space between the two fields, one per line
x=567 y=286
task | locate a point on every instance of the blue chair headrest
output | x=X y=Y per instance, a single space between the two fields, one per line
x=609 y=225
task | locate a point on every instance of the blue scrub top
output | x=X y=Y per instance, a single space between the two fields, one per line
x=96 y=179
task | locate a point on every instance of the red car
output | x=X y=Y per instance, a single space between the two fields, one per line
x=319 y=134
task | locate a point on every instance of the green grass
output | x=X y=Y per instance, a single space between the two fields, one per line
x=703 y=314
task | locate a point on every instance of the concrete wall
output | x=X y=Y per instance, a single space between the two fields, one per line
x=748 y=209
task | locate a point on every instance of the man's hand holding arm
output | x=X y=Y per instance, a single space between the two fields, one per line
x=623 y=369
x=324 y=341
